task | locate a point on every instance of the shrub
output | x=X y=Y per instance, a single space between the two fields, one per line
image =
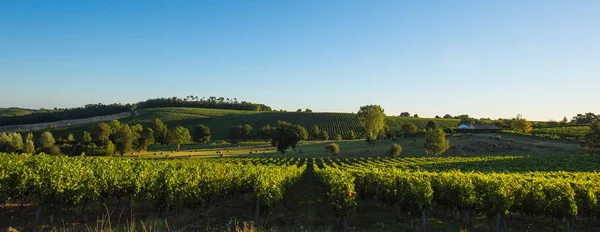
x=332 y=149
x=395 y=150
x=338 y=137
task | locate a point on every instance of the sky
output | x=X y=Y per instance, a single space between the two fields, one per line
x=491 y=59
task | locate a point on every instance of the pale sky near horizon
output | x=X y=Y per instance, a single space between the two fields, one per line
x=491 y=59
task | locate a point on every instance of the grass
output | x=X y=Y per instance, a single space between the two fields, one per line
x=220 y=121
x=11 y=112
x=411 y=147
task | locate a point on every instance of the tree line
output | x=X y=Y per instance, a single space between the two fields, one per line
x=93 y=110
x=579 y=119
x=105 y=139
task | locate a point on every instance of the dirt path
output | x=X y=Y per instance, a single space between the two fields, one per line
x=305 y=207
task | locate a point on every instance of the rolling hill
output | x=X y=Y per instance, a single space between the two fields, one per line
x=12 y=111
x=220 y=121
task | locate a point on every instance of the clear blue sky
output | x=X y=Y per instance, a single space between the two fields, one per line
x=482 y=58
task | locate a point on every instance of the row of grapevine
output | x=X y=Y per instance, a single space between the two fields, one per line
x=414 y=192
x=55 y=182
x=565 y=132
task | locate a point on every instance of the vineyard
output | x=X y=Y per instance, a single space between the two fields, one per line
x=54 y=183
x=11 y=112
x=420 y=187
x=484 y=193
x=220 y=121
x=564 y=132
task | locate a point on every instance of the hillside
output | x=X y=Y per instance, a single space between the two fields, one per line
x=220 y=121
x=11 y=112
x=64 y=123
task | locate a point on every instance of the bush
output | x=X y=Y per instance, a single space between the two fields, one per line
x=338 y=137
x=395 y=150
x=332 y=149
x=53 y=150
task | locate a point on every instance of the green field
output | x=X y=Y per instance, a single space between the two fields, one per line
x=220 y=121
x=10 y=112
x=463 y=146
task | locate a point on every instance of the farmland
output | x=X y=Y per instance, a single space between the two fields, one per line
x=483 y=182
x=563 y=132
x=10 y=112
x=220 y=121
x=361 y=188
x=543 y=192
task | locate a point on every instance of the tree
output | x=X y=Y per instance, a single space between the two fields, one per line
x=308 y=110
x=87 y=137
x=386 y=133
x=437 y=116
x=404 y=114
x=466 y=120
x=447 y=116
x=372 y=121
x=395 y=150
x=4 y=141
x=370 y=140
x=13 y=142
x=160 y=131
x=146 y=139
x=352 y=135
x=315 y=133
x=431 y=125
x=564 y=121
x=70 y=138
x=521 y=125
x=266 y=132
x=416 y=116
x=47 y=144
x=287 y=135
x=409 y=128
x=46 y=140
x=123 y=139
x=435 y=142
x=301 y=133
x=338 y=137
x=332 y=149
x=108 y=149
x=299 y=110
x=240 y=133
x=115 y=125
x=591 y=140
x=325 y=135
x=586 y=118
x=178 y=135
x=29 y=147
x=103 y=132
x=139 y=143
x=201 y=134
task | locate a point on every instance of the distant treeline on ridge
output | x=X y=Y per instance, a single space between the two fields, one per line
x=92 y=110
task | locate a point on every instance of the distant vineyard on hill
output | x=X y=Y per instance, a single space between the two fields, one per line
x=220 y=121
x=12 y=112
